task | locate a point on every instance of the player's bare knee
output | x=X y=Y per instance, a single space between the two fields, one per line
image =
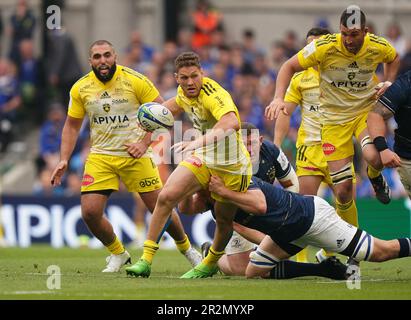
x=344 y=194
x=90 y=215
x=167 y=198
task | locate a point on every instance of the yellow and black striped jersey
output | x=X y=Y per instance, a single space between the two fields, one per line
x=112 y=108
x=204 y=112
x=347 y=80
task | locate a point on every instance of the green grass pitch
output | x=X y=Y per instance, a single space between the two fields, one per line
x=23 y=275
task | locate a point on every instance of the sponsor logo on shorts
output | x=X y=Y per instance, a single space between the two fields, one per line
x=87 y=180
x=194 y=161
x=148 y=182
x=328 y=148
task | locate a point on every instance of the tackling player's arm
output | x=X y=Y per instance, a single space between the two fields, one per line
x=377 y=129
x=252 y=201
x=285 y=74
x=69 y=137
x=290 y=181
x=251 y=235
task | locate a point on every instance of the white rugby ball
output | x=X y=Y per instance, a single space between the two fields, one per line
x=152 y=116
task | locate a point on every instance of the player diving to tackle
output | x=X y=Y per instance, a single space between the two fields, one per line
x=292 y=221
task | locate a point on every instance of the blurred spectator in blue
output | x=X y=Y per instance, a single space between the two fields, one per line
x=30 y=78
x=322 y=22
x=134 y=59
x=277 y=56
x=10 y=102
x=249 y=46
x=167 y=85
x=223 y=70
x=397 y=39
x=265 y=89
x=50 y=135
x=251 y=111
x=136 y=40
x=22 y=23
x=62 y=63
x=207 y=62
x=218 y=41
x=72 y=184
x=184 y=36
x=42 y=186
x=291 y=44
x=405 y=62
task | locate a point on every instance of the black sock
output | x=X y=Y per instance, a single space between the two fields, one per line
x=332 y=269
x=405 y=247
x=289 y=269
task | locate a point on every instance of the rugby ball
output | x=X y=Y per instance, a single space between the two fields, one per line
x=152 y=116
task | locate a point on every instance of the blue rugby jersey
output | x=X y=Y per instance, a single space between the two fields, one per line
x=398 y=100
x=289 y=215
x=273 y=163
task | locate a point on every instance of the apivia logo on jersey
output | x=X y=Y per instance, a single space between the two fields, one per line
x=57 y=221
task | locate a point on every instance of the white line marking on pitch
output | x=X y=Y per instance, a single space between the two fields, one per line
x=31 y=292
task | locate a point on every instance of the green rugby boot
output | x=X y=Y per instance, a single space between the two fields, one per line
x=140 y=269
x=200 y=271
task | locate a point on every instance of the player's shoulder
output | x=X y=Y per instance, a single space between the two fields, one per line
x=327 y=41
x=270 y=147
x=377 y=40
x=83 y=81
x=211 y=87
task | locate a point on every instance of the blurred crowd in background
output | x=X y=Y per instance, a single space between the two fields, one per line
x=34 y=91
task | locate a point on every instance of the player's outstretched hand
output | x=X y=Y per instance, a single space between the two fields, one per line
x=274 y=108
x=58 y=173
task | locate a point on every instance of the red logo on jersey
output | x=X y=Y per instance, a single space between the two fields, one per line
x=328 y=148
x=87 y=180
x=194 y=161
